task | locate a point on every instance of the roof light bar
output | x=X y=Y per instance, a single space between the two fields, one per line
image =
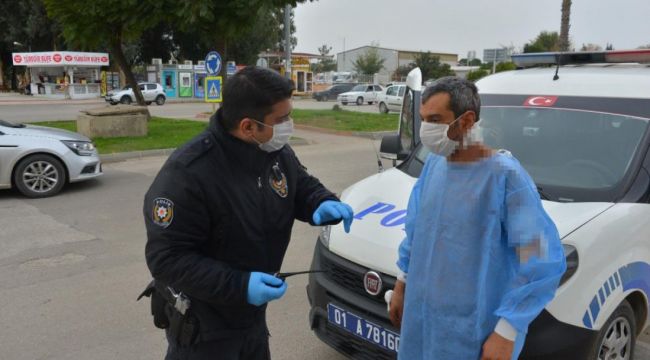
x=596 y=57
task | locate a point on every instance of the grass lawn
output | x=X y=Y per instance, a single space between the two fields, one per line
x=167 y=133
x=163 y=134
x=346 y=120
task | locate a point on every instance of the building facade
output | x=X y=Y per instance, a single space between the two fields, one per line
x=496 y=55
x=393 y=58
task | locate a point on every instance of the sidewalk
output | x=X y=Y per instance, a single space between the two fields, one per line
x=12 y=98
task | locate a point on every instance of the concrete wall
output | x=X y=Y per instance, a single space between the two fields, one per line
x=113 y=122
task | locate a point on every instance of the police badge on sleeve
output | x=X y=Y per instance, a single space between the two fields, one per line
x=163 y=212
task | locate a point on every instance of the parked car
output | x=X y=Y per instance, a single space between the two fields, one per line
x=360 y=94
x=391 y=99
x=583 y=135
x=150 y=91
x=39 y=161
x=332 y=92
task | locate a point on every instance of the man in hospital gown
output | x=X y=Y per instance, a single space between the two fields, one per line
x=481 y=258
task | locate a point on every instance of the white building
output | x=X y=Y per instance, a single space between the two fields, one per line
x=393 y=58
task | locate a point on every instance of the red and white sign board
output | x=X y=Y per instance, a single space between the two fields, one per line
x=58 y=58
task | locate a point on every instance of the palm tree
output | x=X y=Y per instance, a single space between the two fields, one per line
x=564 y=28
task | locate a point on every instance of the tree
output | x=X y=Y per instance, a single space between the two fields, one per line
x=545 y=41
x=476 y=74
x=326 y=63
x=402 y=71
x=25 y=22
x=506 y=66
x=591 y=47
x=565 y=25
x=370 y=62
x=475 y=62
x=431 y=66
x=647 y=46
x=92 y=24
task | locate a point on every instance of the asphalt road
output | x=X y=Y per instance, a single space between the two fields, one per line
x=71 y=266
x=55 y=110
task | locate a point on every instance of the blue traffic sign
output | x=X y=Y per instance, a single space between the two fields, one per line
x=213 y=89
x=213 y=63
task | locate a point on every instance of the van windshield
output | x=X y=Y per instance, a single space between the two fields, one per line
x=566 y=148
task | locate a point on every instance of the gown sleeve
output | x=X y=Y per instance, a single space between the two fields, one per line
x=537 y=257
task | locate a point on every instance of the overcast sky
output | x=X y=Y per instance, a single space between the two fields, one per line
x=458 y=26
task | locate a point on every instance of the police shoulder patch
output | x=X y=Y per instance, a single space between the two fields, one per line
x=163 y=212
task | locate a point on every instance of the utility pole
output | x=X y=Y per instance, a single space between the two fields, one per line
x=287 y=41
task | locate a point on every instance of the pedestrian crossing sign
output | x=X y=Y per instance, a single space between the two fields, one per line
x=213 y=89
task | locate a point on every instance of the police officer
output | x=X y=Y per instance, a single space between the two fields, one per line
x=219 y=217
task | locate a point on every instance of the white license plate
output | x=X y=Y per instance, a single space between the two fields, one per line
x=362 y=328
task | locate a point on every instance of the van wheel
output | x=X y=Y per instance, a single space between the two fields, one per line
x=359 y=100
x=39 y=175
x=126 y=100
x=617 y=337
x=160 y=100
x=383 y=108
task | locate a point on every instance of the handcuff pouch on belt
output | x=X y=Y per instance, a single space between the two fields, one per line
x=172 y=310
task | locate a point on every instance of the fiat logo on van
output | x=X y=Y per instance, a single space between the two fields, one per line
x=372 y=283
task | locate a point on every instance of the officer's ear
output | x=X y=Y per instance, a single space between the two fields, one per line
x=247 y=126
x=467 y=121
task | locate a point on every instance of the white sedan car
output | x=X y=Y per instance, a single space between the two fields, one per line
x=39 y=161
x=360 y=94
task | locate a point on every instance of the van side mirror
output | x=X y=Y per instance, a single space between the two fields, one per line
x=391 y=148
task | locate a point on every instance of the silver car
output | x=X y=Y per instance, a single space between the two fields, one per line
x=39 y=161
x=151 y=92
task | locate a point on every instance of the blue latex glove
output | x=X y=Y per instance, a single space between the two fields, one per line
x=331 y=210
x=263 y=288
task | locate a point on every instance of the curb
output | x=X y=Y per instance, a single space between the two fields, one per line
x=117 y=157
x=375 y=135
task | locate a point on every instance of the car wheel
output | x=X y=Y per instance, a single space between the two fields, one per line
x=383 y=108
x=126 y=100
x=40 y=175
x=359 y=100
x=160 y=100
x=617 y=337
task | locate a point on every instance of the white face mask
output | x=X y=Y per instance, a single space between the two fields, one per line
x=434 y=136
x=281 y=134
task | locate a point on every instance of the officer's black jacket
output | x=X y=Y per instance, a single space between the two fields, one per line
x=226 y=221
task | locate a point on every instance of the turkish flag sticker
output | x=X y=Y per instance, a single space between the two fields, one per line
x=57 y=57
x=543 y=101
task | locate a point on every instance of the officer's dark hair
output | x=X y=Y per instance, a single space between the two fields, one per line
x=251 y=93
x=463 y=95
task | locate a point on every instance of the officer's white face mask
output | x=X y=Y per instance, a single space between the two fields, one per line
x=434 y=136
x=281 y=134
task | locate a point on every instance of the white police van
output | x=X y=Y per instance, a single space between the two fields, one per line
x=579 y=124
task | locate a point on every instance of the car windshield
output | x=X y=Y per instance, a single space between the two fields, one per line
x=359 y=88
x=576 y=149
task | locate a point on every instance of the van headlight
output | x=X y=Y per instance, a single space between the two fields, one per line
x=82 y=148
x=324 y=236
x=572 y=260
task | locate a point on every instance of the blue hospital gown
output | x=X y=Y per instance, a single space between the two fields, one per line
x=464 y=224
